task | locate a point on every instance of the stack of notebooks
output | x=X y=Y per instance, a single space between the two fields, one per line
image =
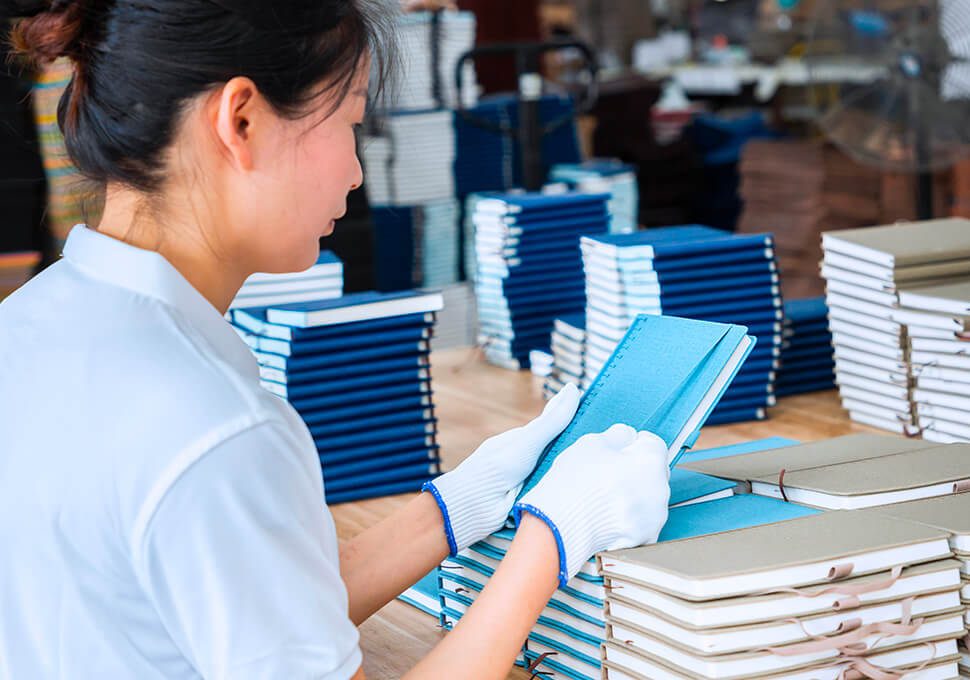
x=416 y=247
x=324 y=280
x=568 y=341
x=412 y=161
x=851 y=472
x=529 y=268
x=357 y=371
x=695 y=272
x=806 y=350
x=610 y=176
x=829 y=595
x=430 y=46
x=864 y=271
x=15 y=270
x=701 y=359
x=937 y=329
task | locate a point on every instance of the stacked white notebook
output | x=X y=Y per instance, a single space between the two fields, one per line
x=833 y=595
x=323 y=280
x=610 y=176
x=865 y=271
x=412 y=84
x=693 y=272
x=939 y=342
x=568 y=341
x=412 y=161
x=529 y=268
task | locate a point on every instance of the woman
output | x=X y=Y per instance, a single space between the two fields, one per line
x=161 y=514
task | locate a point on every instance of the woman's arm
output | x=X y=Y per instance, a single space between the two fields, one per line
x=382 y=562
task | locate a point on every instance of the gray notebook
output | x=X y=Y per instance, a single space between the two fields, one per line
x=905 y=244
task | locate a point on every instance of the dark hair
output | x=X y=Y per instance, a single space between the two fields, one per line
x=138 y=62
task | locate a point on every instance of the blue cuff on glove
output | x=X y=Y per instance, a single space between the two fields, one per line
x=517 y=510
x=449 y=532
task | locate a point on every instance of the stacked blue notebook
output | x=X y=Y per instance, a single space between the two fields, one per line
x=807 y=362
x=416 y=247
x=572 y=626
x=610 y=176
x=694 y=272
x=357 y=371
x=568 y=341
x=323 y=280
x=529 y=268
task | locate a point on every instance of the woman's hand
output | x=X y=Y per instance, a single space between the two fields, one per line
x=476 y=497
x=607 y=491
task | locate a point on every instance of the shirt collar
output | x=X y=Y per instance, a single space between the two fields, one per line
x=148 y=273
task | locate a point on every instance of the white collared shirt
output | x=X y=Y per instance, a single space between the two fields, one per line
x=161 y=515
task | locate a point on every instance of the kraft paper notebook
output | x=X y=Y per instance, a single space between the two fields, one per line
x=742 y=610
x=698 y=361
x=835 y=543
x=768 y=463
x=950 y=513
x=901 y=245
x=949 y=298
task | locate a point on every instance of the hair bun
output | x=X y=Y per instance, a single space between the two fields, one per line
x=49 y=29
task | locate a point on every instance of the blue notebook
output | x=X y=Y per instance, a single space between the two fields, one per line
x=345 y=371
x=726 y=417
x=352 y=445
x=806 y=309
x=738 y=449
x=514 y=204
x=423 y=469
x=383 y=393
x=698 y=361
x=591 y=211
x=323 y=434
x=292 y=365
x=296 y=393
x=353 y=307
x=254 y=321
x=752 y=268
x=376 y=462
x=689 y=487
x=289 y=348
x=377 y=449
x=389 y=489
x=356 y=412
x=728 y=514
x=656 y=244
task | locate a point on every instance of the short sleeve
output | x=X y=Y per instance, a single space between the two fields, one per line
x=241 y=562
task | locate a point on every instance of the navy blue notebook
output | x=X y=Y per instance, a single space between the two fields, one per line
x=352 y=445
x=377 y=450
x=752 y=268
x=591 y=211
x=301 y=348
x=727 y=257
x=666 y=242
x=324 y=433
x=382 y=393
x=293 y=365
x=424 y=469
x=389 y=489
x=514 y=204
x=346 y=371
x=352 y=468
x=364 y=411
x=806 y=309
x=353 y=307
x=737 y=416
x=295 y=393
x=254 y=321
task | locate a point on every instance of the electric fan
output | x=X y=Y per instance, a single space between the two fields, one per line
x=892 y=83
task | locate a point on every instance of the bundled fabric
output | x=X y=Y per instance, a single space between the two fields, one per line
x=694 y=272
x=357 y=370
x=529 y=269
x=872 y=276
x=324 y=280
x=806 y=351
x=605 y=176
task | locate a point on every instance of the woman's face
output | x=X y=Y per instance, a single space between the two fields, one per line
x=302 y=172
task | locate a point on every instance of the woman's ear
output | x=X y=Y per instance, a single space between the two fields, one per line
x=236 y=117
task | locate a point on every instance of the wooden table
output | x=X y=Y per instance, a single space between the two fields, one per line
x=474 y=400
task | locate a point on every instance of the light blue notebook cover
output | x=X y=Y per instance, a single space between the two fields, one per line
x=738 y=449
x=424 y=594
x=687 y=485
x=728 y=514
x=630 y=389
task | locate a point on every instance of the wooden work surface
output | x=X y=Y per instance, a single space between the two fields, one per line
x=473 y=401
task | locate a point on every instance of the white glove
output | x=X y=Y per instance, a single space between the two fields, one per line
x=605 y=492
x=476 y=497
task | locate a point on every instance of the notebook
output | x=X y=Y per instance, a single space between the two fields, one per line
x=354 y=307
x=254 y=321
x=906 y=244
x=748 y=560
x=698 y=359
x=423 y=595
x=769 y=463
x=950 y=513
x=948 y=298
